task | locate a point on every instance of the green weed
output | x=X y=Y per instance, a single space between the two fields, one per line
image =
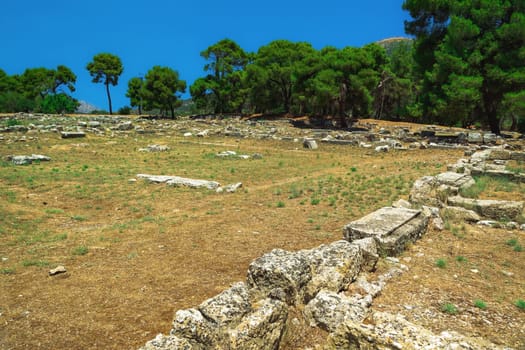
x=449 y=308
x=80 y=250
x=480 y=304
x=441 y=263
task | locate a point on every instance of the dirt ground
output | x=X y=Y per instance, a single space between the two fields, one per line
x=136 y=252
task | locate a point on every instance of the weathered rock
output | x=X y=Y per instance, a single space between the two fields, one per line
x=262 y=329
x=368 y=248
x=230 y=188
x=499 y=154
x=72 y=134
x=384 y=148
x=474 y=137
x=169 y=342
x=192 y=325
x=492 y=209
x=227 y=307
x=180 y=181
x=422 y=192
x=392 y=228
x=281 y=274
x=489 y=137
x=26 y=160
x=329 y=309
x=459 y=214
x=393 y=332
x=57 y=270
x=310 y=144
x=458 y=180
x=154 y=148
x=402 y=203
x=519 y=156
x=124 y=126
x=334 y=266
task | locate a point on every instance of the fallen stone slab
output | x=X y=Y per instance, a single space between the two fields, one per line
x=281 y=275
x=459 y=214
x=227 y=307
x=392 y=228
x=461 y=181
x=25 y=160
x=310 y=144
x=72 y=134
x=489 y=208
x=393 y=332
x=154 y=148
x=231 y=188
x=180 y=181
x=57 y=270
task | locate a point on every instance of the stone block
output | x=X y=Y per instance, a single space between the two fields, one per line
x=333 y=266
x=493 y=209
x=227 y=307
x=392 y=228
x=280 y=274
x=262 y=329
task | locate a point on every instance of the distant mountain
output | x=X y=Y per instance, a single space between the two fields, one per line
x=86 y=108
x=390 y=43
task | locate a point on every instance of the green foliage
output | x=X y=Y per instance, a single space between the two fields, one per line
x=520 y=303
x=135 y=92
x=470 y=56
x=160 y=89
x=480 y=304
x=59 y=103
x=449 y=308
x=126 y=110
x=80 y=250
x=105 y=68
x=441 y=263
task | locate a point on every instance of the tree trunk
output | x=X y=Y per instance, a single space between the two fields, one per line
x=342 y=105
x=109 y=98
x=493 y=122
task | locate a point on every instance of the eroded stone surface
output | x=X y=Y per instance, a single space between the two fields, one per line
x=489 y=208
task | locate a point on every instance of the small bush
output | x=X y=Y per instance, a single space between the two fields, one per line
x=449 y=308
x=520 y=303
x=461 y=259
x=280 y=204
x=315 y=201
x=512 y=242
x=441 y=263
x=518 y=248
x=480 y=304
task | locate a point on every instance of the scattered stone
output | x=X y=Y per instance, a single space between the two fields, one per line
x=57 y=270
x=124 y=126
x=154 y=148
x=384 y=148
x=310 y=144
x=162 y=342
x=187 y=134
x=203 y=133
x=230 y=188
x=26 y=160
x=72 y=134
x=402 y=203
x=180 y=181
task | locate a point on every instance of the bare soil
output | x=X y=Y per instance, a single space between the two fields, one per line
x=136 y=252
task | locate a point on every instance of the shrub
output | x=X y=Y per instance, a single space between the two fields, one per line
x=520 y=303
x=441 y=263
x=480 y=304
x=449 y=308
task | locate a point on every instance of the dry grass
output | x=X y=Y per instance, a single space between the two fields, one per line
x=136 y=252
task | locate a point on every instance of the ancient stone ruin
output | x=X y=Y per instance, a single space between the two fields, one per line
x=315 y=283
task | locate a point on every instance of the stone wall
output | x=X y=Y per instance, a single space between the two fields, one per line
x=254 y=314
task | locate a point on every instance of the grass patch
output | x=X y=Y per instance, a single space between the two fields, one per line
x=280 y=204
x=461 y=259
x=449 y=308
x=80 y=250
x=520 y=304
x=441 y=263
x=480 y=304
x=7 y=271
x=39 y=263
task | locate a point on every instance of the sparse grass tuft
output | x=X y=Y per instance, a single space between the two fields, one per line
x=520 y=304
x=441 y=263
x=480 y=304
x=80 y=250
x=280 y=204
x=449 y=308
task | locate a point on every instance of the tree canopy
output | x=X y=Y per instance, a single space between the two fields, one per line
x=160 y=89
x=105 y=68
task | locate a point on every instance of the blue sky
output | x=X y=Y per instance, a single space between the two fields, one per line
x=40 y=33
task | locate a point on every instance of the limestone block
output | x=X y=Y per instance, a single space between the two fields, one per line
x=368 y=248
x=72 y=134
x=453 y=179
x=422 y=192
x=459 y=214
x=262 y=329
x=192 y=325
x=392 y=228
x=329 y=309
x=334 y=266
x=169 y=342
x=281 y=274
x=227 y=307
x=499 y=154
x=388 y=332
x=310 y=144
x=489 y=208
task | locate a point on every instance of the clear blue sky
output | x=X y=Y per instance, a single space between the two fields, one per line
x=40 y=33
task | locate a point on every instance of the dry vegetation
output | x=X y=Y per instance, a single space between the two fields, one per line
x=136 y=252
